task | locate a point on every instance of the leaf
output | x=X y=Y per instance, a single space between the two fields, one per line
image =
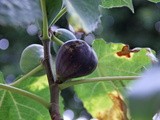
x=86 y=12
x=53 y=7
x=15 y=107
x=117 y=3
x=1 y=78
x=144 y=95
x=19 y=12
x=93 y=95
x=118 y=111
x=155 y=1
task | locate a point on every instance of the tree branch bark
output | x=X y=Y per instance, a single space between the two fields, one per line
x=53 y=86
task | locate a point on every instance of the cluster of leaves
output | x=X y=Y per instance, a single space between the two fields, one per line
x=21 y=101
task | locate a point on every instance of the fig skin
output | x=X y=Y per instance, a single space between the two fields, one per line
x=64 y=35
x=31 y=57
x=75 y=59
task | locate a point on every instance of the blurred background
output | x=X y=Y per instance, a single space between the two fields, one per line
x=141 y=29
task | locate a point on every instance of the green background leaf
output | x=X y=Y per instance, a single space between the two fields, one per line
x=19 y=12
x=144 y=96
x=94 y=95
x=155 y=1
x=1 y=78
x=15 y=107
x=86 y=12
x=118 y=3
x=53 y=7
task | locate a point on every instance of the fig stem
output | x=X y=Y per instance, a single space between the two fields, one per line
x=53 y=86
x=56 y=40
x=45 y=20
x=26 y=94
x=24 y=77
x=58 y=16
x=96 y=79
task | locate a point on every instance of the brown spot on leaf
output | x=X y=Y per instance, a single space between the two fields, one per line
x=124 y=52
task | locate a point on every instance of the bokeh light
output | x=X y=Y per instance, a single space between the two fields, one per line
x=4 y=44
x=68 y=115
x=32 y=30
x=89 y=38
x=10 y=78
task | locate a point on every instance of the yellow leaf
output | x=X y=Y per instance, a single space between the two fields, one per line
x=118 y=111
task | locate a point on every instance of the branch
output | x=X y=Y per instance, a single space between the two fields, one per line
x=53 y=86
x=54 y=89
x=98 y=79
x=25 y=93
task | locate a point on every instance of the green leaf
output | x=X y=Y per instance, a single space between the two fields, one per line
x=155 y=1
x=144 y=96
x=94 y=95
x=53 y=8
x=117 y=3
x=1 y=78
x=86 y=13
x=19 y=13
x=15 y=107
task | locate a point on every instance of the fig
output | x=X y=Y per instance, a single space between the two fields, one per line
x=64 y=35
x=31 y=57
x=75 y=58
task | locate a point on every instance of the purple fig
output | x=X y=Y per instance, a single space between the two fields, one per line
x=75 y=58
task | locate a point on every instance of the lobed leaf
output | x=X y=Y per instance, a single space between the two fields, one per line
x=118 y=3
x=94 y=95
x=86 y=13
x=16 y=107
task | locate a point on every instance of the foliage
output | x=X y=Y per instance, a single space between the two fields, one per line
x=78 y=10
x=109 y=65
x=13 y=12
x=155 y=1
x=29 y=97
x=117 y=3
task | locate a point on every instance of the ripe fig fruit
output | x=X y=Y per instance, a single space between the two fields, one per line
x=31 y=57
x=64 y=35
x=75 y=58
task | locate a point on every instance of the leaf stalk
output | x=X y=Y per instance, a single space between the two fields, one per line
x=96 y=79
x=56 y=40
x=31 y=73
x=58 y=16
x=26 y=94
